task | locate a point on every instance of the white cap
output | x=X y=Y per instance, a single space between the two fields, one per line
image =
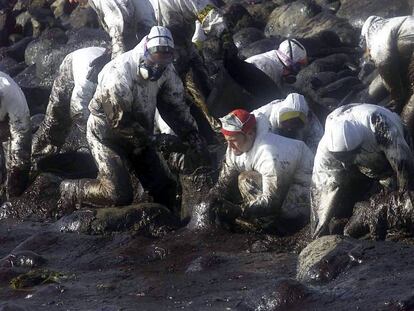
x=293 y=50
x=343 y=135
x=293 y=106
x=159 y=37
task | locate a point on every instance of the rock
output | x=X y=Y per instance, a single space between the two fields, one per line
x=37 y=95
x=325 y=258
x=83 y=17
x=260 y=46
x=340 y=88
x=260 y=12
x=37 y=277
x=39 y=48
x=286 y=294
x=356 y=12
x=7 y=63
x=39 y=200
x=27 y=259
x=195 y=187
x=59 y=7
x=303 y=19
x=381 y=215
x=247 y=36
x=17 y=50
x=237 y=17
x=147 y=218
x=330 y=5
x=11 y=307
x=79 y=221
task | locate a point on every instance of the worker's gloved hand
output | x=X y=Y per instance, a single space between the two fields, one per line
x=197 y=144
x=252 y=210
x=17 y=181
x=42 y=146
x=169 y=143
x=229 y=48
x=97 y=65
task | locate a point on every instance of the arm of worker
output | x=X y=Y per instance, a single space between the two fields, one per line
x=18 y=162
x=395 y=147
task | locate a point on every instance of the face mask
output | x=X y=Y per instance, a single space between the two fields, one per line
x=151 y=72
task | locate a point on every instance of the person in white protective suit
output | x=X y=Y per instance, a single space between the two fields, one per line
x=68 y=102
x=362 y=143
x=390 y=45
x=121 y=124
x=292 y=118
x=283 y=64
x=125 y=21
x=266 y=175
x=16 y=136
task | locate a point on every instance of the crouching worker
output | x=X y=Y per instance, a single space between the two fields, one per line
x=265 y=178
x=361 y=144
x=16 y=136
x=292 y=118
x=390 y=45
x=121 y=124
x=68 y=102
x=282 y=65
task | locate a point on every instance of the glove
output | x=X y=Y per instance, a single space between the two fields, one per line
x=97 y=65
x=229 y=48
x=169 y=143
x=200 y=147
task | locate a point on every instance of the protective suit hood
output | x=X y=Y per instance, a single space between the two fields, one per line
x=291 y=52
x=343 y=136
x=371 y=26
x=293 y=106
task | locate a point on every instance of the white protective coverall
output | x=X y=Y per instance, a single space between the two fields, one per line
x=375 y=138
x=180 y=16
x=126 y=21
x=15 y=135
x=390 y=43
x=312 y=132
x=120 y=126
x=274 y=64
x=285 y=168
x=69 y=100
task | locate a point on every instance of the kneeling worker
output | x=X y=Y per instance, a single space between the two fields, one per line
x=362 y=143
x=267 y=174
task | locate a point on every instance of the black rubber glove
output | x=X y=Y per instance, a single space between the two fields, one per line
x=97 y=65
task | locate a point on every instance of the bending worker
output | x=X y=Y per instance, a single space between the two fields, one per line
x=125 y=21
x=269 y=173
x=361 y=143
x=16 y=136
x=283 y=64
x=292 y=118
x=69 y=100
x=390 y=45
x=121 y=123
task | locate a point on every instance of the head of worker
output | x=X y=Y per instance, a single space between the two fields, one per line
x=344 y=140
x=292 y=116
x=239 y=130
x=370 y=27
x=158 y=53
x=293 y=57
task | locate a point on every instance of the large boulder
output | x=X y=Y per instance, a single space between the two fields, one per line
x=326 y=258
x=382 y=216
x=37 y=95
x=303 y=19
x=147 y=218
x=356 y=12
x=83 y=17
x=260 y=12
x=247 y=36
